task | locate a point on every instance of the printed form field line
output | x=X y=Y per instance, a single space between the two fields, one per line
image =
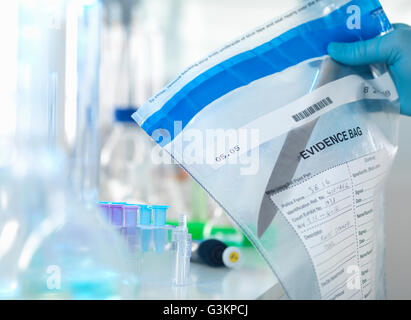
x=336 y=288
x=337 y=244
x=328 y=187
x=336 y=235
x=336 y=254
x=364 y=204
x=334 y=194
x=363 y=224
x=373 y=178
x=328 y=220
x=329 y=217
x=366 y=244
x=338 y=266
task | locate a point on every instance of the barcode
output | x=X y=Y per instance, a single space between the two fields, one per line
x=313 y=109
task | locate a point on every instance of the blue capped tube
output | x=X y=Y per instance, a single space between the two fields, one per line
x=129 y=230
x=160 y=232
x=145 y=215
x=117 y=214
x=105 y=210
x=159 y=215
x=130 y=216
x=145 y=222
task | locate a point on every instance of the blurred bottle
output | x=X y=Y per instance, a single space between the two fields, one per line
x=124 y=44
x=52 y=247
x=85 y=164
x=126 y=166
x=51 y=244
x=141 y=52
x=125 y=153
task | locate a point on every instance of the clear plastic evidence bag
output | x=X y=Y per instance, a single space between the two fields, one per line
x=294 y=146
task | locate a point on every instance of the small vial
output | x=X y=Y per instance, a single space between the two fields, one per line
x=145 y=223
x=105 y=210
x=129 y=229
x=130 y=216
x=159 y=222
x=116 y=214
x=145 y=215
x=182 y=245
x=159 y=215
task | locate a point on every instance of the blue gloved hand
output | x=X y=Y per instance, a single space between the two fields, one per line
x=394 y=49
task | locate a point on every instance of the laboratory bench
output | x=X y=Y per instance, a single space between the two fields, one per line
x=252 y=280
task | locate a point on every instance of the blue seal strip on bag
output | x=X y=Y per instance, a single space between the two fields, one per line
x=307 y=41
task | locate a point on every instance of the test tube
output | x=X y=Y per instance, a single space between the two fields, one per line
x=159 y=215
x=160 y=232
x=130 y=216
x=129 y=230
x=145 y=215
x=116 y=214
x=105 y=210
x=182 y=245
x=145 y=221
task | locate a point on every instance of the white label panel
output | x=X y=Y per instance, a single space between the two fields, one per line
x=333 y=213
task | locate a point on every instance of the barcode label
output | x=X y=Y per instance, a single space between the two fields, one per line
x=313 y=109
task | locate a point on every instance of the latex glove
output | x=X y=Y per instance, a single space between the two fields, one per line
x=394 y=49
